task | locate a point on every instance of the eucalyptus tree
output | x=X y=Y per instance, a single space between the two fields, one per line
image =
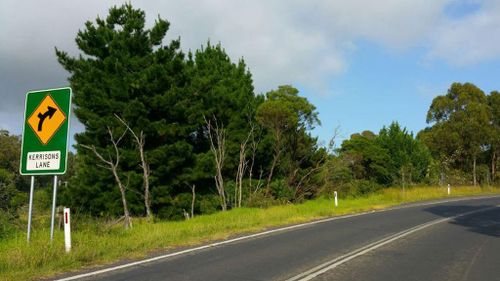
x=287 y=117
x=461 y=118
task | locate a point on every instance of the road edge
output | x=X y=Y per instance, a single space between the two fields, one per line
x=265 y=233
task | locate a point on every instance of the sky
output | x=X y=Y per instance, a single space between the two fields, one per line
x=362 y=63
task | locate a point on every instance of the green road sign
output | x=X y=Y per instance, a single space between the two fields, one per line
x=45 y=133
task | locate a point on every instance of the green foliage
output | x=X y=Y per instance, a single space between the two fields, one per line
x=494 y=153
x=11 y=183
x=288 y=117
x=463 y=128
x=367 y=161
x=409 y=158
x=126 y=70
x=367 y=158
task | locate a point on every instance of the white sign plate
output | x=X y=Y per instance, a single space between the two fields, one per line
x=43 y=160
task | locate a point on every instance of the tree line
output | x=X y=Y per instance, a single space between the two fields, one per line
x=170 y=134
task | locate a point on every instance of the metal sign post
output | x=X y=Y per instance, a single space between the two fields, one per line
x=54 y=196
x=30 y=211
x=44 y=149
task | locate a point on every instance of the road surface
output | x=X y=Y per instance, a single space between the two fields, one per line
x=456 y=240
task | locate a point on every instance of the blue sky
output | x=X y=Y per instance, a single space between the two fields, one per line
x=363 y=63
x=380 y=86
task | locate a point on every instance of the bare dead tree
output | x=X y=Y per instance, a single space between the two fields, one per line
x=278 y=149
x=319 y=164
x=253 y=147
x=259 y=182
x=217 y=137
x=112 y=164
x=242 y=166
x=193 y=199
x=332 y=142
x=140 y=141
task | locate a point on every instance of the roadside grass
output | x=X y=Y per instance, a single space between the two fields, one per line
x=95 y=243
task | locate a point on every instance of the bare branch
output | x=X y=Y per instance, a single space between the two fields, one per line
x=93 y=149
x=217 y=137
x=140 y=142
x=113 y=167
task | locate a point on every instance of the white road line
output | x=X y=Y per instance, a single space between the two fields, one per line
x=123 y=266
x=322 y=268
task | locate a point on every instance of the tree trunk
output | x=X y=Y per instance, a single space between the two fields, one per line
x=127 y=220
x=270 y=176
x=277 y=154
x=474 y=169
x=219 y=183
x=403 y=179
x=113 y=165
x=218 y=148
x=141 y=141
x=193 y=198
x=242 y=166
x=145 y=171
x=493 y=165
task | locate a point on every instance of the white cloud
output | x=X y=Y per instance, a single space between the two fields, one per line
x=471 y=39
x=305 y=43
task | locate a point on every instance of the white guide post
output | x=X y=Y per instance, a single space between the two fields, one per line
x=336 y=201
x=449 y=189
x=67 y=230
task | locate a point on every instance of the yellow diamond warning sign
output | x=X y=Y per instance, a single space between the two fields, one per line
x=46 y=119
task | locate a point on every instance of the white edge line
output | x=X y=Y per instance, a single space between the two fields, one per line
x=75 y=277
x=327 y=266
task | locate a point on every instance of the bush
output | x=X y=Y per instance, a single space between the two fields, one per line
x=362 y=187
x=209 y=204
x=282 y=191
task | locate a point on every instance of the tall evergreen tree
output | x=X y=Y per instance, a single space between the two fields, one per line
x=409 y=158
x=125 y=69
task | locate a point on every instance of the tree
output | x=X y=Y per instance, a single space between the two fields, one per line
x=367 y=158
x=220 y=90
x=464 y=115
x=112 y=163
x=140 y=141
x=125 y=69
x=10 y=180
x=242 y=167
x=409 y=159
x=494 y=103
x=217 y=136
x=286 y=115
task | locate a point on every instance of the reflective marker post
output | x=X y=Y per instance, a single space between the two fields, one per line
x=30 y=210
x=336 y=201
x=449 y=189
x=67 y=230
x=54 y=196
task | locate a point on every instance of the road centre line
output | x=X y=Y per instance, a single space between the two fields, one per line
x=329 y=265
x=221 y=243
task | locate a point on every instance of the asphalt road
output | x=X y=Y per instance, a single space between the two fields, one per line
x=458 y=248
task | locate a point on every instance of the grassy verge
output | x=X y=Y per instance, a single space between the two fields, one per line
x=94 y=244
